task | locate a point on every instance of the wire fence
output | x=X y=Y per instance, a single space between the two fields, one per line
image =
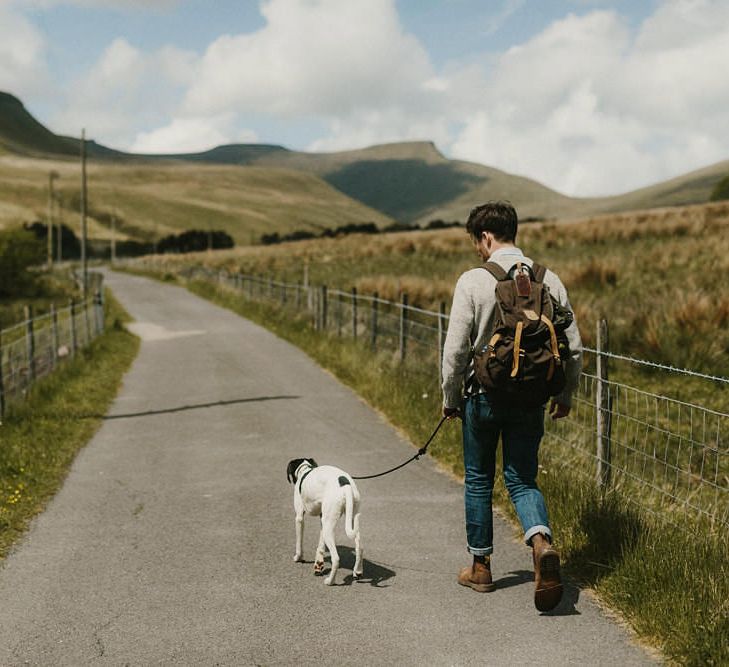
x=666 y=455
x=35 y=347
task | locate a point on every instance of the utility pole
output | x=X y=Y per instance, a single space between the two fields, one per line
x=113 y=237
x=60 y=230
x=52 y=175
x=84 y=259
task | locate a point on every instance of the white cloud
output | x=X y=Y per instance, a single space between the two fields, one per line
x=191 y=135
x=497 y=21
x=22 y=54
x=313 y=57
x=100 y=4
x=587 y=108
x=124 y=91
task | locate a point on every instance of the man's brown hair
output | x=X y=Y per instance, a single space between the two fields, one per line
x=497 y=217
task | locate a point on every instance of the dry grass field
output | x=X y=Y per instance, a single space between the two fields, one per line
x=656 y=275
x=153 y=199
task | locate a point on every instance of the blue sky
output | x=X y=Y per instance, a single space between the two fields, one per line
x=589 y=97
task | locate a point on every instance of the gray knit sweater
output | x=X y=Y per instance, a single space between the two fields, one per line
x=472 y=320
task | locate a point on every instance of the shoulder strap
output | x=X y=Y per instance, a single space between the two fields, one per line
x=496 y=271
x=539 y=272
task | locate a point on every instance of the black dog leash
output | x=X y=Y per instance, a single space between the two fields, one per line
x=420 y=453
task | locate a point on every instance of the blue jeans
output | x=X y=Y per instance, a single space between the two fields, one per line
x=521 y=430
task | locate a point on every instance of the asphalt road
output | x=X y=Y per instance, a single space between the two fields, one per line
x=171 y=541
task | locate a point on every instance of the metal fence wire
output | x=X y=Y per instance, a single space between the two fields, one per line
x=663 y=454
x=35 y=347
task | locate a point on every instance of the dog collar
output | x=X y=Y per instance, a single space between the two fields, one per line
x=303 y=477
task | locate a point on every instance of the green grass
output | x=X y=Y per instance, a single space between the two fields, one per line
x=670 y=583
x=48 y=288
x=41 y=436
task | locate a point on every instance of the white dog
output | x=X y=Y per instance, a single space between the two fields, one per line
x=328 y=492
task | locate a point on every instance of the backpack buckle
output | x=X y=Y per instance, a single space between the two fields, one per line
x=523 y=281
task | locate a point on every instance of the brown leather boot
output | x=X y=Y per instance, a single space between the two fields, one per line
x=477 y=576
x=548 y=588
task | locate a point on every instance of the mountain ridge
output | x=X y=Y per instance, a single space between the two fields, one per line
x=409 y=181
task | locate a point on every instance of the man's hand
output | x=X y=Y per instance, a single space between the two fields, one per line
x=558 y=410
x=451 y=413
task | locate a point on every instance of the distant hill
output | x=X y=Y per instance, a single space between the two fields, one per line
x=22 y=134
x=411 y=182
x=150 y=197
x=694 y=187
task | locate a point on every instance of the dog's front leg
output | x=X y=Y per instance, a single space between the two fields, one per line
x=299 y=521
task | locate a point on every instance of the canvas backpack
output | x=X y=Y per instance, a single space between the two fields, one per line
x=523 y=363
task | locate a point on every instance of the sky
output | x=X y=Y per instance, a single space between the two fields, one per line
x=589 y=97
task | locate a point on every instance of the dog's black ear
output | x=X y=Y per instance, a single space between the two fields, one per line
x=314 y=464
x=291 y=470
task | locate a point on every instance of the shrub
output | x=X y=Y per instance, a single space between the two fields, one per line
x=19 y=250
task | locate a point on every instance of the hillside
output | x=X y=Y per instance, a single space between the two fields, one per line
x=410 y=182
x=22 y=134
x=153 y=199
x=413 y=182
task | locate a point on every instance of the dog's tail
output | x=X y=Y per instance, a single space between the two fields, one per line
x=348 y=506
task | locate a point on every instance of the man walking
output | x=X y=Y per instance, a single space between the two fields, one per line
x=488 y=414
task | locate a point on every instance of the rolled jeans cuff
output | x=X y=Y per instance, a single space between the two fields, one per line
x=485 y=551
x=537 y=529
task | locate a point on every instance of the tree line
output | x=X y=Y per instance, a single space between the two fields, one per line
x=352 y=228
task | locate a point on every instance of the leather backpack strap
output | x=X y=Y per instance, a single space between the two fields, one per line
x=539 y=272
x=496 y=271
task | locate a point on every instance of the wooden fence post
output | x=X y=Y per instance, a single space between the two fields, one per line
x=354 y=313
x=324 y=307
x=603 y=407
x=86 y=320
x=2 y=382
x=441 y=335
x=54 y=335
x=374 y=322
x=30 y=343
x=339 y=314
x=98 y=313
x=74 y=338
x=403 y=326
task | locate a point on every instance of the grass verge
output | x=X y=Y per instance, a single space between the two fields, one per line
x=670 y=583
x=40 y=437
